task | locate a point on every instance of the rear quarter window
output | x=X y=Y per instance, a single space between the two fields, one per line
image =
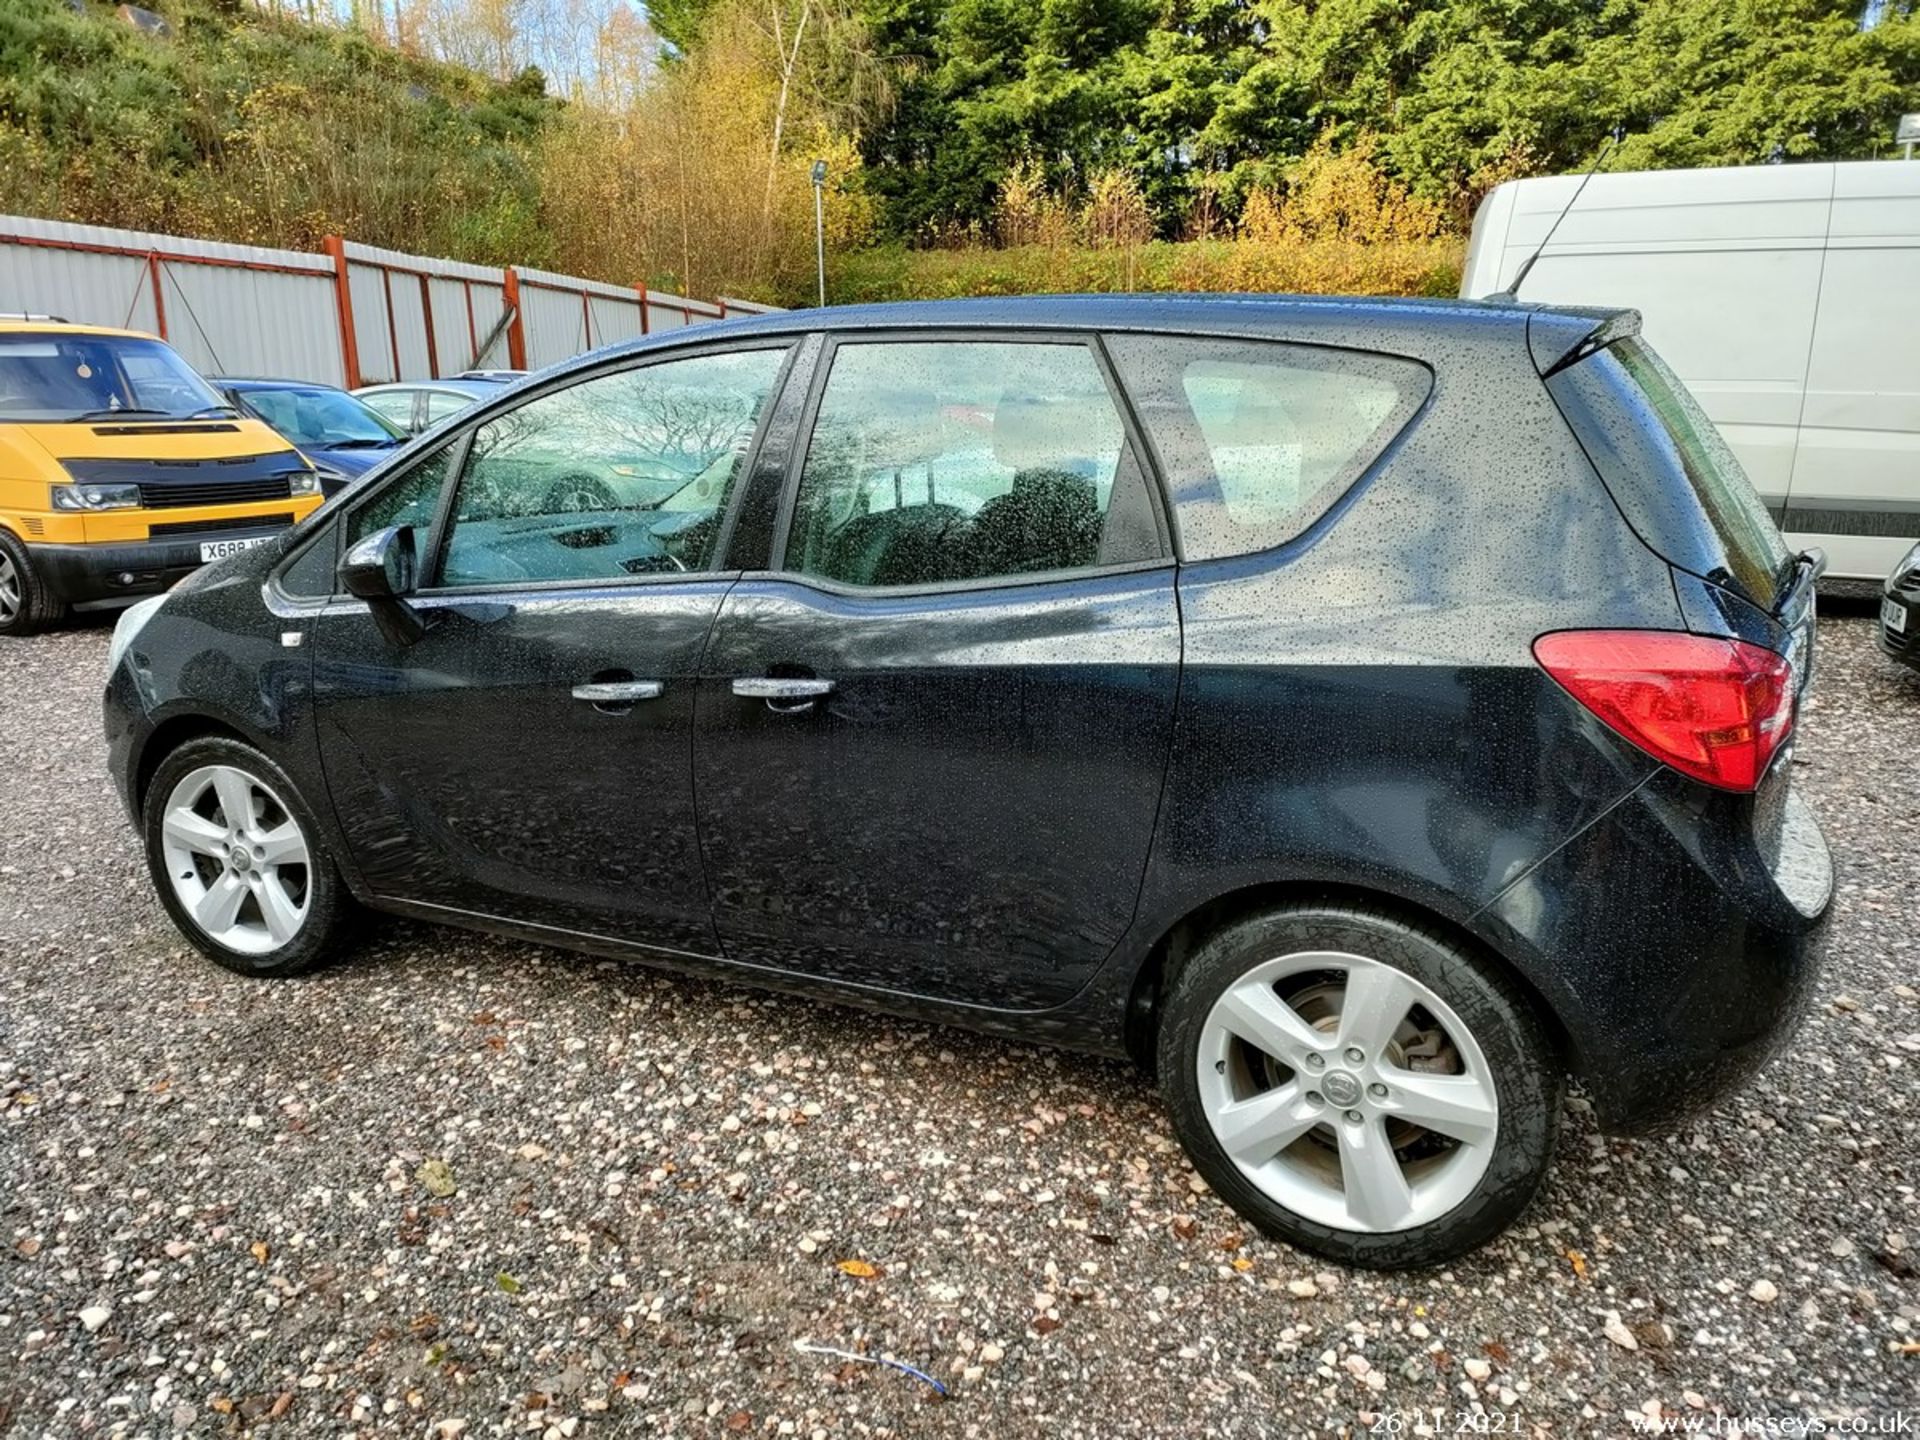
x=1260 y=438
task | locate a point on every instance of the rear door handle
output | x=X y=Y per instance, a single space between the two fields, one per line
x=781 y=687
x=618 y=692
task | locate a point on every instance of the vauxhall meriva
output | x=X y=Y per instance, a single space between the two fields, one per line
x=1367 y=713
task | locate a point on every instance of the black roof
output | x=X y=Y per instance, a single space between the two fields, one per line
x=1412 y=325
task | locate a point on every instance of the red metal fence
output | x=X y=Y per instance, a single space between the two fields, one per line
x=353 y=315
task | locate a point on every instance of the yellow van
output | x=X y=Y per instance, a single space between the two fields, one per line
x=121 y=471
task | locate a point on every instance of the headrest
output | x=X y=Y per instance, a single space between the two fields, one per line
x=1034 y=434
x=904 y=428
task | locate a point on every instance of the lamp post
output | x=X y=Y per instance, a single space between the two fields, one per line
x=820 y=226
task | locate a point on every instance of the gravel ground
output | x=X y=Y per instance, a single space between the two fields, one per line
x=459 y=1184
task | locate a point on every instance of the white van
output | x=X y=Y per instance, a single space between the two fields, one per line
x=1788 y=299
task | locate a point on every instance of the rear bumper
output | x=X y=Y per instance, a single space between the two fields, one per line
x=1677 y=939
x=85 y=574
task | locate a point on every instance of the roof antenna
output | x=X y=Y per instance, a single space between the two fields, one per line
x=1512 y=292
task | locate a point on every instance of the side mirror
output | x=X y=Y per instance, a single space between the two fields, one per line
x=382 y=570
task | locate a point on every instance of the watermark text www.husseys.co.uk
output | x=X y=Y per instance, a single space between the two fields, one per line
x=1892 y=1422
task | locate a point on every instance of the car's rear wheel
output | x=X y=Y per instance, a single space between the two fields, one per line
x=238 y=861
x=27 y=605
x=1359 y=1086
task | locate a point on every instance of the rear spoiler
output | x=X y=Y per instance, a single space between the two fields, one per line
x=1559 y=338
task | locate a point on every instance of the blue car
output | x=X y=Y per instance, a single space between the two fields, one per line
x=339 y=433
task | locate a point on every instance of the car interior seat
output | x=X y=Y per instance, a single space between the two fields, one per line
x=1051 y=517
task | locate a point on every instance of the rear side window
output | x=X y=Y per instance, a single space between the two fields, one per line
x=1260 y=438
x=948 y=461
x=1672 y=474
x=445 y=404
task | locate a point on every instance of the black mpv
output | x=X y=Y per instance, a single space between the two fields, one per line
x=1368 y=713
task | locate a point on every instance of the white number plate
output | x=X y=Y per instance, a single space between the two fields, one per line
x=214 y=549
x=1893 y=615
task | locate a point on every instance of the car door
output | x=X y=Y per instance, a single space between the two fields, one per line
x=930 y=743
x=528 y=756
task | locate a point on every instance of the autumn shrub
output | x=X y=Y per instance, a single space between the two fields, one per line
x=1339 y=224
x=703 y=184
x=894 y=272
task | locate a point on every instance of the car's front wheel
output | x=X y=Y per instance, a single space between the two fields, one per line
x=27 y=603
x=238 y=861
x=1359 y=1086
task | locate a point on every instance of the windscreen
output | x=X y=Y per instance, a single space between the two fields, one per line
x=320 y=417
x=64 y=377
x=1672 y=473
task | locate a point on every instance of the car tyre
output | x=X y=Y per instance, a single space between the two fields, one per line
x=1313 y=1151
x=27 y=604
x=239 y=863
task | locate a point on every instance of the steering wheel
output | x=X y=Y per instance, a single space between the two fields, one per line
x=571 y=494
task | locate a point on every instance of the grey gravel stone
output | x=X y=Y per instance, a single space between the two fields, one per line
x=657 y=1180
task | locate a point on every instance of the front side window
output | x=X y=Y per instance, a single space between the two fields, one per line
x=59 y=376
x=1261 y=438
x=393 y=405
x=409 y=500
x=622 y=475
x=950 y=461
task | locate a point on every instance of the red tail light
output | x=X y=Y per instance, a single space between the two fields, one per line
x=1713 y=709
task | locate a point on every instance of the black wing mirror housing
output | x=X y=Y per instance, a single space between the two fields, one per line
x=382 y=569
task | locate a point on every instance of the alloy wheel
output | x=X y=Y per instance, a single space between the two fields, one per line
x=1347 y=1091
x=12 y=594
x=239 y=863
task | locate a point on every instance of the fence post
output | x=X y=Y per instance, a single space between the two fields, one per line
x=393 y=324
x=426 y=312
x=159 y=301
x=516 y=334
x=641 y=291
x=343 y=302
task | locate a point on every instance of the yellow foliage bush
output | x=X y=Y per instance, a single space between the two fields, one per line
x=1321 y=267
x=1339 y=225
x=1341 y=196
x=703 y=185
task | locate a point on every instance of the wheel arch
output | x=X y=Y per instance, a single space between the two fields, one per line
x=168 y=736
x=1163 y=960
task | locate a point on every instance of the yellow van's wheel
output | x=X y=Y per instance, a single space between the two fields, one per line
x=26 y=604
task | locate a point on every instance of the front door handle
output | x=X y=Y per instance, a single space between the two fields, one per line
x=618 y=692
x=781 y=687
